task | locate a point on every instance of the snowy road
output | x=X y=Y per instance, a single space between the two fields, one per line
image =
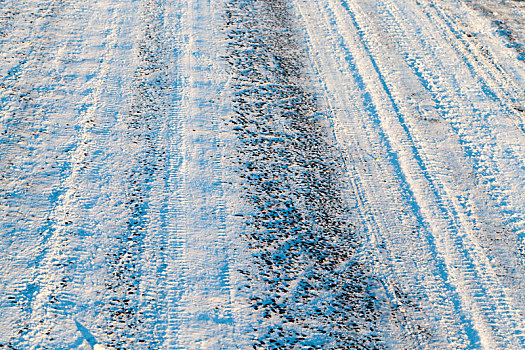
x=269 y=174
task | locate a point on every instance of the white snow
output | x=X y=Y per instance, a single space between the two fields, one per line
x=122 y=203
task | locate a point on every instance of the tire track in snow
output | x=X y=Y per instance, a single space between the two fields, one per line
x=89 y=219
x=138 y=265
x=494 y=162
x=126 y=226
x=396 y=79
x=204 y=316
x=493 y=73
x=39 y=165
x=305 y=279
x=69 y=272
x=404 y=249
x=501 y=306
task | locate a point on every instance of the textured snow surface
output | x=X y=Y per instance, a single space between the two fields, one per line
x=268 y=174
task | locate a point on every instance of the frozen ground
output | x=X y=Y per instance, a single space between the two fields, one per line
x=269 y=174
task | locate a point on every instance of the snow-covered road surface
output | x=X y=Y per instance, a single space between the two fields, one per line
x=269 y=174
